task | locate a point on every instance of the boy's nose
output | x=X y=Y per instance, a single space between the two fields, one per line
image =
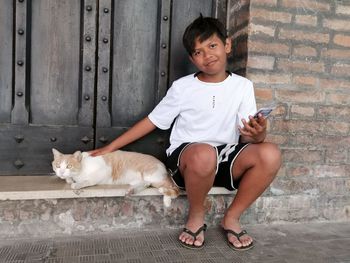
x=207 y=54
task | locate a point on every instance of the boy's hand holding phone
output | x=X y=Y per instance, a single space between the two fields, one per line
x=254 y=130
x=264 y=112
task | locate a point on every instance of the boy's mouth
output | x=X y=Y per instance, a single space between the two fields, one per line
x=210 y=63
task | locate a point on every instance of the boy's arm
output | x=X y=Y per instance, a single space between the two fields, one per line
x=137 y=131
x=253 y=131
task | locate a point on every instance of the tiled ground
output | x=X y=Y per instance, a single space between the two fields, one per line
x=290 y=243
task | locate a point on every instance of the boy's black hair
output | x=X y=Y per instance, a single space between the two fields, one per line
x=202 y=28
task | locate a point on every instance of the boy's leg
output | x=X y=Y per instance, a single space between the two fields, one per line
x=256 y=167
x=197 y=165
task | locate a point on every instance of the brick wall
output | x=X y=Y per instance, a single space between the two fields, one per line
x=297 y=53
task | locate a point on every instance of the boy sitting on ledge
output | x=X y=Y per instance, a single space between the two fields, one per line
x=214 y=140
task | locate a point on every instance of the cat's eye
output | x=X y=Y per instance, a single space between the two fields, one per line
x=58 y=165
x=69 y=166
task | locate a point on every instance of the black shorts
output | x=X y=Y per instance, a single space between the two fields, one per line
x=226 y=155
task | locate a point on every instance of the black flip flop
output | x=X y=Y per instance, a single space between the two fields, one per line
x=194 y=235
x=237 y=235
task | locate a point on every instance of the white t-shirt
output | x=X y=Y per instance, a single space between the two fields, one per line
x=204 y=112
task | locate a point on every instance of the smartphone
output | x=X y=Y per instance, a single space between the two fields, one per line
x=264 y=111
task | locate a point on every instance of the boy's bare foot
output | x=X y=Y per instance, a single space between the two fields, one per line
x=193 y=225
x=233 y=224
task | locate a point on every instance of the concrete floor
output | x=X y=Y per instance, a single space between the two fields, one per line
x=289 y=243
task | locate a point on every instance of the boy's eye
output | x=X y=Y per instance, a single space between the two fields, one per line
x=213 y=45
x=196 y=53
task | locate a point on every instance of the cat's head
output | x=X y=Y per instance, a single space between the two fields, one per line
x=66 y=165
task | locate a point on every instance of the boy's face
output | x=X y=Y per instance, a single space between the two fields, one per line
x=210 y=55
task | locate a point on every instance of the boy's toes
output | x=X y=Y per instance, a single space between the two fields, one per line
x=186 y=239
x=234 y=241
x=246 y=242
x=198 y=242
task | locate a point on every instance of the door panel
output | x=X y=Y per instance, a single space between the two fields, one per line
x=6 y=40
x=135 y=51
x=139 y=55
x=47 y=95
x=54 y=64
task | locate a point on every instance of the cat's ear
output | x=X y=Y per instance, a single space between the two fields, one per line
x=56 y=153
x=77 y=155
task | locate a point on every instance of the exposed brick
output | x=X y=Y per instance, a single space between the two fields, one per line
x=303 y=36
x=305 y=80
x=338 y=98
x=303 y=156
x=300 y=96
x=302 y=140
x=331 y=141
x=263 y=94
x=261 y=62
x=298 y=126
x=333 y=186
x=288 y=65
x=278 y=139
x=336 y=155
x=304 y=5
x=336 y=127
x=331 y=84
x=341 y=69
x=304 y=51
x=282 y=171
x=268 y=48
x=302 y=111
x=270 y=78
x=273 y=16
x=280 y=110
x=331 y=112
x=336 y=24
x=342 y=9
x=255 y=29
x=342 y=40
x=299 y=170
x=264 y=2
x=331 y=170
x=306 y=20
x=336 y=53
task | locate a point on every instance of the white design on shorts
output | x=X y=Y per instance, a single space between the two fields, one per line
x=225 y=153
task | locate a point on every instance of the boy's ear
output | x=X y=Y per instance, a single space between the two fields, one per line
x=228 y=45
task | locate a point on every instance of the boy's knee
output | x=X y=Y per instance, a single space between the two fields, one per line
x=199 y=159
x=271 y=155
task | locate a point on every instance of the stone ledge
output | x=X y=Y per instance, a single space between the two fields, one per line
x=52 y=187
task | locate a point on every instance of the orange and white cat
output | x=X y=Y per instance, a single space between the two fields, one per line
x=137 y=170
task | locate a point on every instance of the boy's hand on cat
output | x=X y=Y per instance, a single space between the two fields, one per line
x=255 y=130
x=101 y=151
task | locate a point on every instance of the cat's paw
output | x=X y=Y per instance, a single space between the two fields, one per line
x=130 y=191
x=167 y=201
x=69 y=180
x=75 y=186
